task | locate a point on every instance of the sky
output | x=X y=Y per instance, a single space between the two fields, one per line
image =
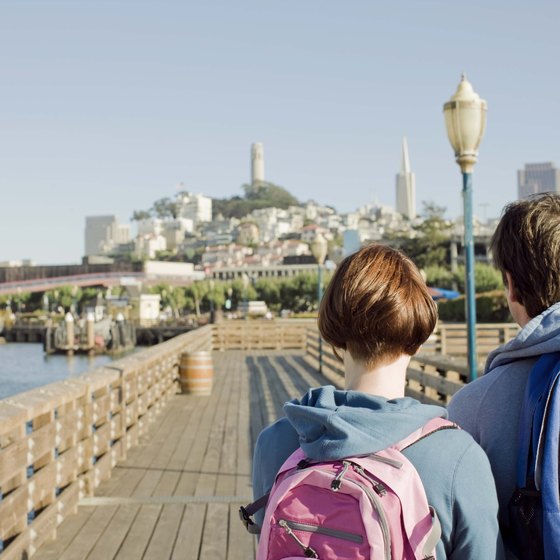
x=107 y=105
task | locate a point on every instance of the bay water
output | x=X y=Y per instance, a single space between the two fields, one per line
x=24 y=366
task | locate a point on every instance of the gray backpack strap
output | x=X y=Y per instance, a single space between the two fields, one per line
x=434 y=536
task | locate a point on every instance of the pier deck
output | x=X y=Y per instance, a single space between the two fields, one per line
x=177 y=494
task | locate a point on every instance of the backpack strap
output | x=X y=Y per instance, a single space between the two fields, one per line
x=245 y=514
x=538 y=461
x=433 y=425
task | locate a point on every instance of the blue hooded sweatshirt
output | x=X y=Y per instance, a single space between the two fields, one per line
x=332 y=424
x=489 y=407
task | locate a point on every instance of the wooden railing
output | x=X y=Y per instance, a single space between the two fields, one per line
x=261 y=335
x=451 y=338
x=58 y=442
x=431 y=377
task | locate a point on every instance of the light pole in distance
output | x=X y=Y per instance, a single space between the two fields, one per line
x=319 y=248
x=465 y=120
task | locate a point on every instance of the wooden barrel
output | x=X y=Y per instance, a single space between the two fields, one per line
x=196 y=373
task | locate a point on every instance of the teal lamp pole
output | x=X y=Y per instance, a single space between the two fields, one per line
x=319 y=248
x=465 y=119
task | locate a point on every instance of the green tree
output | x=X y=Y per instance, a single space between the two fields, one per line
x=139 y=215
x=486 y=278
x=439 y=277
x=165 y=208
x=429 y=246
x=171 y=296
x=263 y=195
x=268 y=290
x=196 y=292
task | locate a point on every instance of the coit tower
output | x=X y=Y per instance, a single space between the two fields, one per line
x=257 y=164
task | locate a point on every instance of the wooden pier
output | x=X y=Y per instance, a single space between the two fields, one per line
x=117 y=465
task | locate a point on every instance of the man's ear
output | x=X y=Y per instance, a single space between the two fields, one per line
x=512 y=292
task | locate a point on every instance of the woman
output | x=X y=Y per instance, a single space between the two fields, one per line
x=376 y=313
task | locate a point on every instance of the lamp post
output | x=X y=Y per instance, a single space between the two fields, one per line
x=319 y=248
x=245 y=280
x=465 y=119
x=211 y=299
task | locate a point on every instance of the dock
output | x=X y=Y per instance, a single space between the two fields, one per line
x=178 y=492
x=118 y=464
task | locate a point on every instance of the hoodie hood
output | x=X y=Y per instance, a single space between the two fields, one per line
x=541 y=335
x=332 y=424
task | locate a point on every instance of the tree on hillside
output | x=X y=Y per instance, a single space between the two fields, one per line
x=429 y=247
x=165 y=208
x=263 y=195
x=139 y=215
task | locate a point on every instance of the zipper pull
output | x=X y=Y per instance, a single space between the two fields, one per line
x=379 y=488
x=337 y=482
x=307 y=550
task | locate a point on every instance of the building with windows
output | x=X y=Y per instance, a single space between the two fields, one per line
x=103 y=234
x=195 y=207
x=406 y=186
x=537 y=178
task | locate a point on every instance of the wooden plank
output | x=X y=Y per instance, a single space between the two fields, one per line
x=189 y=533
x=139 y=535
x=114 y=534
x=241 y=545
x=66 y=533
x=215 y=535
x=165 y=533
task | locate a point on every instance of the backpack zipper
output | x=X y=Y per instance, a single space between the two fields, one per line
x=337 y=482
x=307 y=550
x=306 y=527
x=382 y=517
x=377 y=486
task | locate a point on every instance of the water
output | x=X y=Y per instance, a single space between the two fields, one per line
x=24 y=366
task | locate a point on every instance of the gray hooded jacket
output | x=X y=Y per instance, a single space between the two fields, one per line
x=331 y=424
x=489 y=408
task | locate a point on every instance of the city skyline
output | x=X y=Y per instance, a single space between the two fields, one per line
x=108 y=106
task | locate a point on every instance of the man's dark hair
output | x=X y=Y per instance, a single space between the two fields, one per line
x=526 y=244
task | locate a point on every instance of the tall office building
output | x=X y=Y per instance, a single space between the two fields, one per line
x=103 y=233
x=257 y=164
x=406 y=186
x=538 y=178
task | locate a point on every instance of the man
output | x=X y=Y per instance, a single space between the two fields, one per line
x=526 y=249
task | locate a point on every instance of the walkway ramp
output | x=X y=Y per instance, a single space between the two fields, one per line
x=177 y=494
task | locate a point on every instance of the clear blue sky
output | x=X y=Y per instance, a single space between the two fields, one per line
x=106 y=105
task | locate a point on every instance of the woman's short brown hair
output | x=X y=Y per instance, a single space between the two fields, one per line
x=377 y=306
x=526 y=244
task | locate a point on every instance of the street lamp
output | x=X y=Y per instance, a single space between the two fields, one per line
x=211 y=298
x=245 y=280
x=319 y=249
x=465 y=119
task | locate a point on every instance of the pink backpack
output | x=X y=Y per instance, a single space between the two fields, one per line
x=370 y=507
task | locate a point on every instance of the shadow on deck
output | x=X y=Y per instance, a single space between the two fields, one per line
x=177 y=494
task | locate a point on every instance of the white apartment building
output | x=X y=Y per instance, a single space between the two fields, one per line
x=272 y=223
x=148 y=245
x=195 y=207
x=150 y=226
x=225 y=255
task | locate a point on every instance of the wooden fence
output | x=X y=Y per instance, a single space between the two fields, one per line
x=58 y=442
x=261 y=335
x=451 y=338
x=432 y=377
